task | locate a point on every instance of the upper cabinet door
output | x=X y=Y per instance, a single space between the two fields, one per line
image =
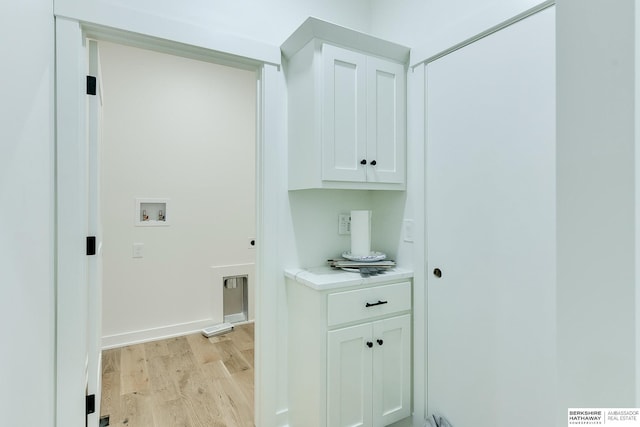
x=386 y=126
x=344 y=118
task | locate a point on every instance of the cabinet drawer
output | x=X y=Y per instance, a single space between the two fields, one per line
x=362 y=304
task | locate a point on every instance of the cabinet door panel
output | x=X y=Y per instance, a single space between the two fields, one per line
x=349 y=379
x=385 y=121
x=392 y=370
x=344 y=115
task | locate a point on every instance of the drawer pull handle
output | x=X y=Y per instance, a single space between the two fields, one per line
x=380 y=342
x=375 y=303
x=369 y=344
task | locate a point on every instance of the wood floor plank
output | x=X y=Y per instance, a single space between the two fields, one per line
x=137 y=410
x=234 y=410
x=187 y=381
x=161 y=385
x=133 y=374
x=111 y=360
x=110 y=403
x=156 y=349
x=171 y=414
x=202 y=349
x=249 y=356
x=216 y=370
x=243 y=382
x=244 y=337
x=232 y=357
x=177 y=345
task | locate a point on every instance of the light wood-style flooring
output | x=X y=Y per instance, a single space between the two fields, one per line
x=188 y=381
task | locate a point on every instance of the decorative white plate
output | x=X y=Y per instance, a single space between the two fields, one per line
x=372 y=257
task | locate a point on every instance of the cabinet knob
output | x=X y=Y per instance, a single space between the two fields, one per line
x=437 y=272
x=373 y=163
x=380 y=342
x=363 y=162
x=369 y=344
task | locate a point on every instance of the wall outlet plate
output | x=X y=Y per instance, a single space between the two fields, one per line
x=408 y=232
x=138 y=249
x=344 y=224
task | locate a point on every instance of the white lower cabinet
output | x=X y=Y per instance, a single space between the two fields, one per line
x=349 y=352
x=368 y=373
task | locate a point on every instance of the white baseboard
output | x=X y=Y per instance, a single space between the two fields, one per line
x=153 y=334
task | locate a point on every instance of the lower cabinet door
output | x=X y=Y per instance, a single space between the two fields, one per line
x=349 y=379
x=391 y=370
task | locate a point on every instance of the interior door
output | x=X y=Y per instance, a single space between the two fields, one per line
x=491 y=228
x=94 y=262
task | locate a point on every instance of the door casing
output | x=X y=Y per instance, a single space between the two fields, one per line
x=72 y=308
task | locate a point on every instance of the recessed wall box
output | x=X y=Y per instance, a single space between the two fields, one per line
x=151 y=212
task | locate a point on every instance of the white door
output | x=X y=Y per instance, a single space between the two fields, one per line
x=344 y=115
x=94 y=270
x=349 y=379
x=386 y=127
x=72 y=294
x=391 y=370
x=491 y=229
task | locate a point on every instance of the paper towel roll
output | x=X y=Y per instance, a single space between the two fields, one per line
x=360 y=233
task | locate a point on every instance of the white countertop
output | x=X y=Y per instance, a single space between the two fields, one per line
x=325 y=278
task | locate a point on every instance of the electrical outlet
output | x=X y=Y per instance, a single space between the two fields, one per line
x=344 y=224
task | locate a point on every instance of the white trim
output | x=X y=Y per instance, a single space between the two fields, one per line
x=336 y=34
x=71 y=221
x=154 y=334
x=130 y=22
x=637 y=197
x=435 y=50
x=416 y=159
x=271 y=182
x=71 y=226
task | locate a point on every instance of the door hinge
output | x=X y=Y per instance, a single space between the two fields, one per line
x=91 y=245
x=92 y=84
x=91 y=404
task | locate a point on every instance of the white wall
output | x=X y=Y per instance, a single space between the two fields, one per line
x=315 y=222
x=596 y=218
x=434 y=25
x=180 y=129
x=26 y=214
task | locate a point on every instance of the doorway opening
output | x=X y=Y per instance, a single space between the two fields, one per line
x=182 y=131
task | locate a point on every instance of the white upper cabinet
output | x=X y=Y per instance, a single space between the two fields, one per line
x=347 y=120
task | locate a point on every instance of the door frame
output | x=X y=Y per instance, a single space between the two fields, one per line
x=72 y=311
